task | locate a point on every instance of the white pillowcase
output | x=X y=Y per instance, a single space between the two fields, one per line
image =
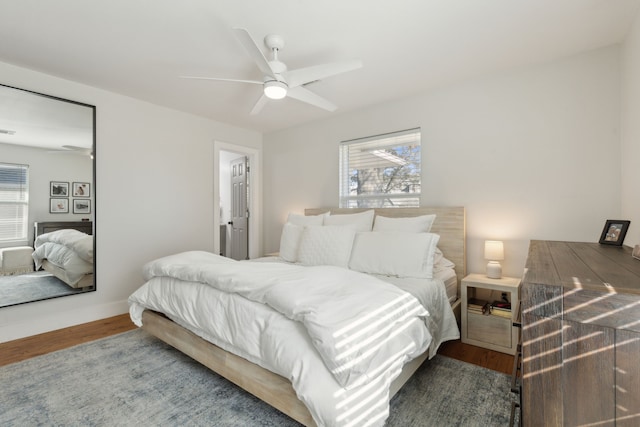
x=328 y=245
x=292 y=231
x=362 y=221
x=440 y=262
x=416 y=224
x=290 y=241
x=394 y=254
x=298 y=219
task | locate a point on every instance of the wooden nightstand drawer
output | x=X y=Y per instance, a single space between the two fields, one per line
x=489 y=329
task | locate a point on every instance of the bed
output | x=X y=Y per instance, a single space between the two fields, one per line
x=65 y=249
x=285 y=390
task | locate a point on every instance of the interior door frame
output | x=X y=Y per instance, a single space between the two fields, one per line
x=255 y=195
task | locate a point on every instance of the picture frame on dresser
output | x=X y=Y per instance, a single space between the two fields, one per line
x=614 y=232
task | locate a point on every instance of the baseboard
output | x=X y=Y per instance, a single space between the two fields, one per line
x=31 y=322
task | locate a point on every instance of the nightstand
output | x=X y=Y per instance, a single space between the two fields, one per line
x=488 y=327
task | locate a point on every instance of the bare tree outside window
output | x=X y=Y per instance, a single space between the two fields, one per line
x=381 y=171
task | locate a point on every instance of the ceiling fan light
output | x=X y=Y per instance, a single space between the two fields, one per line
x=275 y=89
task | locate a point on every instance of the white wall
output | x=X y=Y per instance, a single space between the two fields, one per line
x=531 y=153
x=154 y=196
x=45 y=167
x=631 y=133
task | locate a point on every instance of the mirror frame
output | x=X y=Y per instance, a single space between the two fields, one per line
x=31 y=221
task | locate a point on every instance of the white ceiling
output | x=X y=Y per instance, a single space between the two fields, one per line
x=44 y=122
x=140 y=47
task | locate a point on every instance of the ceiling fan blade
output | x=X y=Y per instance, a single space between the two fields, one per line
x=259 y=105
x=252 y=48
x=72 y=149
x=302 y=76
x=305 y=95
x=222 y=80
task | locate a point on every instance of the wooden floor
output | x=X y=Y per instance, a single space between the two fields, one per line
x=25 y=348
x=36 y=345
x=490 y=359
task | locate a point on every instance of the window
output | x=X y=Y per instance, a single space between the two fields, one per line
x=14 y=201
x=381 y=171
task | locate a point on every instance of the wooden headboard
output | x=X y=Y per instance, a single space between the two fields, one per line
x=449 y=224
x=47 y=227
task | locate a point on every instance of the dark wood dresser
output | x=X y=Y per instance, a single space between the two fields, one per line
x=580 y=335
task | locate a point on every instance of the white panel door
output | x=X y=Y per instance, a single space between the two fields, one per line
x=239 y=209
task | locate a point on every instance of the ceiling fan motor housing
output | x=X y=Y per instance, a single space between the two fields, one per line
x=273 y=41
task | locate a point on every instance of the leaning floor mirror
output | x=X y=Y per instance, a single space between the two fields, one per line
x=47 y=196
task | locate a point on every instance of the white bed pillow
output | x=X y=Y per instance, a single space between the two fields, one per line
x=290 y=242
x=328 y=245
x=304 y=220
x=292 y=231
x=440 y=262
x=399 y=254
x=415 y=224
x=362 y=221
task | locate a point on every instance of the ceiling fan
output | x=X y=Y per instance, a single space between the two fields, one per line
x=278 y=82
x=72 y=149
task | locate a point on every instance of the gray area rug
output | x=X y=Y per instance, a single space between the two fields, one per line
x=34 y=286
x=135 y=379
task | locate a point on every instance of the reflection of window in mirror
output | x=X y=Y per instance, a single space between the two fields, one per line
x=14 y=198
x=46 y=146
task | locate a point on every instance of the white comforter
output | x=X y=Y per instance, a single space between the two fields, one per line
x=71 y=250
x=241 y=307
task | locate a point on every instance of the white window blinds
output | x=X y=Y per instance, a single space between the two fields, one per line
x=14 y=202
x=381 y=171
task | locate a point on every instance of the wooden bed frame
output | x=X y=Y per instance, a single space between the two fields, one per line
x=273 y=389
x=49 y=226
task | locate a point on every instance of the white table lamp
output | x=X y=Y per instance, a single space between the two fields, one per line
x=494 y=252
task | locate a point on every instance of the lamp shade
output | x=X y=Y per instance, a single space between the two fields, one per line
x=493 y=250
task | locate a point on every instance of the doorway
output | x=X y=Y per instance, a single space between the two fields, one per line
x=224 y=235
x=237 y=227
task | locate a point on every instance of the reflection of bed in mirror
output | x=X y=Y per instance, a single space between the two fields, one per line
x=65 y=249
x=56 y=138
